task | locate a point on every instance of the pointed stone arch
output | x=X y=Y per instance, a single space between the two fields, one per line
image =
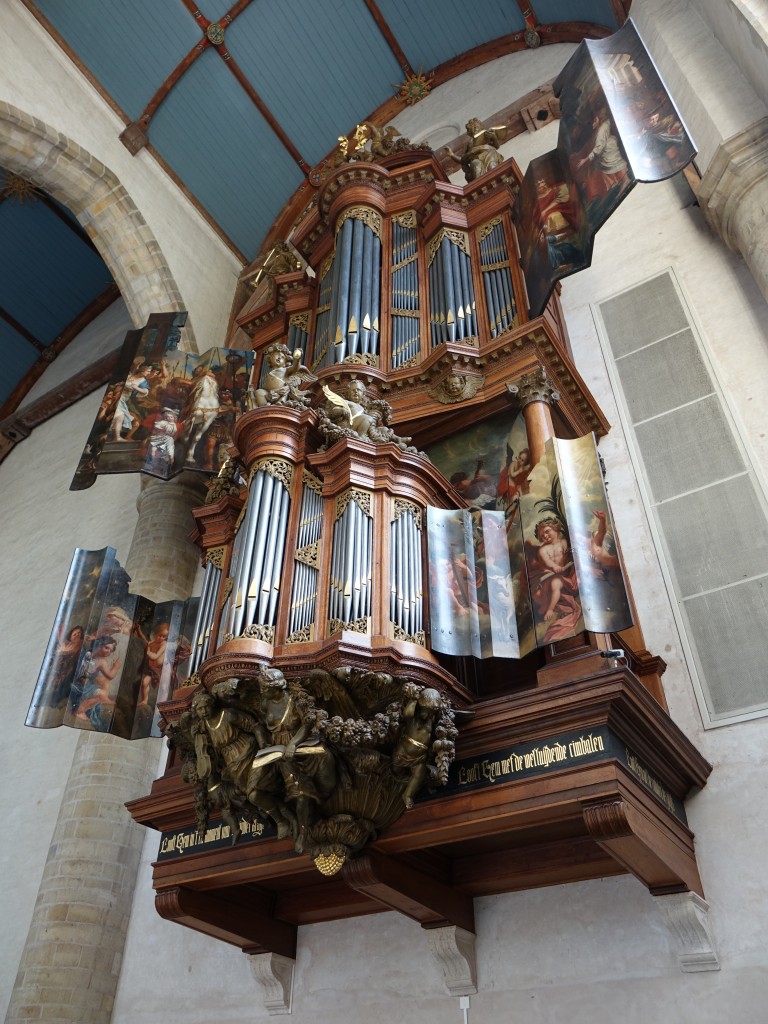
x=75 y=178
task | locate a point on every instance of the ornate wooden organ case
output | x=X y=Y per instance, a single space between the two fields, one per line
x=567 y=767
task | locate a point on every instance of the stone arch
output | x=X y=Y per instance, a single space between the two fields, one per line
x=74 y=177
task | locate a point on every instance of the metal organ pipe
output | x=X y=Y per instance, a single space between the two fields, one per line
x=405 y=294
x=406 y=584
x=323 y=317
x=304 y=593
x=355 y=283
x=205 y=612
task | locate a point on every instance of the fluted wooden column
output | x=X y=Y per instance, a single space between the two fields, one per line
x=535 y=392
x=70 y=966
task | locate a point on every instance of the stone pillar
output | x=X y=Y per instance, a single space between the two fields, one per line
x=535 y=392
x=71 y=961
x=733 y=195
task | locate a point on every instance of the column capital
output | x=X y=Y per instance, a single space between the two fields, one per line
x=534 y=387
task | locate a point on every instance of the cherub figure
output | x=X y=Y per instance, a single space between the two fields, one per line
x=283 y=379
x=412 y=750
x=307 y=766
x=227 y=740
x=358 y=415
x=481 y=153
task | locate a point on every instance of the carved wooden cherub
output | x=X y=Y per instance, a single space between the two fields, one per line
x=283 y=379
x=481 y=153
x=359 y=415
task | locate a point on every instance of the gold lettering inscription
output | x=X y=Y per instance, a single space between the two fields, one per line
x=181 y=842
x=586 y=745
x=639 y=769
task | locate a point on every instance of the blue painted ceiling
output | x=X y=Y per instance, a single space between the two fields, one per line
x=49 y=273
x=246 y=120
x=318 y=66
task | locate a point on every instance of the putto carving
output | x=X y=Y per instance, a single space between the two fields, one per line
x=373 y=142
x=226 y=482
x=456 y=388
x=331 y=757
x=358 y=415
x=283 y=379
x=481 y=153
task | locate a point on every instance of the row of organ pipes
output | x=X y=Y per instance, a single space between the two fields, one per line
x=325 y=594
x=347 y=314
x=494 y=264
x=430 y=285
x=451 y=292
x=353 y=293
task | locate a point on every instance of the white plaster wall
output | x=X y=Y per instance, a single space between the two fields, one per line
x=481 y=92
x=41 y=523
x=741 y=26
x=37 y=77
x=101 y=336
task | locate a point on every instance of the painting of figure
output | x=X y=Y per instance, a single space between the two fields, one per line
x=618 y=126
x=112 y=655
x=165 y=410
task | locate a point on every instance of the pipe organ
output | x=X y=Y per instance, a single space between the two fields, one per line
x=317 y=711
x=416 y=296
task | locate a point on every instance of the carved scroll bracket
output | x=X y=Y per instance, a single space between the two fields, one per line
x=454 y=950
x=275 y=975
x=687 y=916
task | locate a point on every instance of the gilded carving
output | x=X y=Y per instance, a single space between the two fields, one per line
x=300 y=320
x=534 y=387
x=373 y=142
x=369 y=217
x=362 y=359
x=406 y=220
x=453 y=235
x=416 y=638
x=358 y=626
x=257 y=631
x=215 y=556
x=485 y=229
x=312 y=482
x=401 y=505
x=283 y=379
x=300 y=636
x=224 y=483
x=325 y=266
x=362 y=498
x=415 y=88
x=481 y=153
x=308 y=554
x=331 y=757
x=277 y=468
